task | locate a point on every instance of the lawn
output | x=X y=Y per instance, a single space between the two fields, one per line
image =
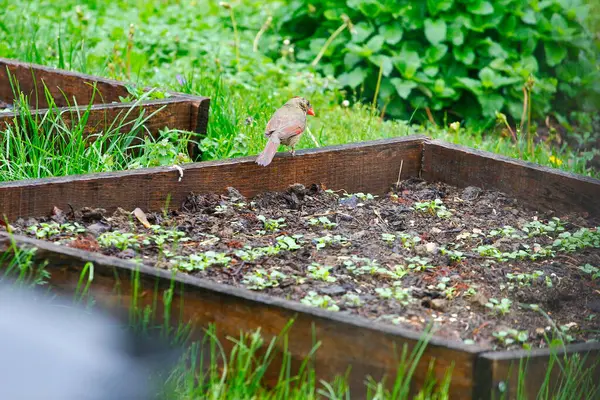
x=248 y=65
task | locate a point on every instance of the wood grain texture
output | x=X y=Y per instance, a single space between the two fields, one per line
x=370 y=348
x=494 y=368
x=368 y=167
x=539 y=187
x=64 y=86
x=71 y=88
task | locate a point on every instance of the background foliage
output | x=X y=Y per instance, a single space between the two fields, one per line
x=469 y=58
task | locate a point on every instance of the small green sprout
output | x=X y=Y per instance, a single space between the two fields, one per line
x=402 y=295
x=315 y=300
x=271 y=225
x=433 y=207
x=536 y=227
x=388 y=237
x=408 y=241
x=320 y=272
x=201 y=261
x=501 y=307
x=288 y=242
x=261 y=279
x=47 y=230
x=329 y=240
x=120 y=240
x=419 y=263
x=511 y=336
x=351 y=300
x=323 y=221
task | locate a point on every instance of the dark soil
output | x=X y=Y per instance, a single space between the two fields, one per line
x=370 y=276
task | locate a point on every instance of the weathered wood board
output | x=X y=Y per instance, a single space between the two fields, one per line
x=73 y=93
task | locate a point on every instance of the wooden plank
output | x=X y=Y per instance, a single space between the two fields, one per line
x=539 y=187
x=64 y=86
x=497 y=373
x=370 y=348
x=368 y=167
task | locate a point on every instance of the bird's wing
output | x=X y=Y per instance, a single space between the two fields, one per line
x=286 y=125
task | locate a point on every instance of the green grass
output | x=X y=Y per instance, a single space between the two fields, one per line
x=194 y=40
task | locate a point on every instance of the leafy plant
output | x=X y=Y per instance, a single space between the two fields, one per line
x=594 y=272
x=271 y=225
x=501 y=307
x=536 y=227
x=48 y=229
x=418 y=263
x=320 y=272
x=511 y=336
x=323 y=221
x=474 y=58
x=201 y=261
x=329 y=240
x=261 y=279
x=120 y=240
x=433 y=207
x=402 y=295
x=316 y=300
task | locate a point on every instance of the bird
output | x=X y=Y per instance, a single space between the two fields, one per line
x=285 y=127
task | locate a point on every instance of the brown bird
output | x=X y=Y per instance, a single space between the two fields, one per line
x=285 y=127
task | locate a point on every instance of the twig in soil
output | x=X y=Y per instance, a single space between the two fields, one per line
x=381 y=219
x=480 y=327
x=399 y=173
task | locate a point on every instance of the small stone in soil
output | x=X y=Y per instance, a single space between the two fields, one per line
x=332 y=290
x=98 y=228
x=129 y=253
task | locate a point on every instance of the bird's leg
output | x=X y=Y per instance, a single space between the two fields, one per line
x=293 y=151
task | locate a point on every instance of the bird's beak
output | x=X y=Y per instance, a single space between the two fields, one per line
x=311 y=112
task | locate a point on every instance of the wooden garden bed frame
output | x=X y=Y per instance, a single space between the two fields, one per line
x=73 y=93
x=368 y=347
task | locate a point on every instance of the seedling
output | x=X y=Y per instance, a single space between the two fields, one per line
x=329 y=240
x=261 y=279
x=351 y=300
x=360 y=195
x=506 y=231
x=320 y=272
x=471 y=291
x=536 y=227
x=408 y=241
x=323 y=221
x=47 y=230
x=581 y=239
x=271 y=225
x=454 y=255
x=315 y=300
x=388 y=237
x=594 y=272
x=120 y=240
x=201 y=261
x=501 y=307
x=397 y=293
x=433 y=207
x=289 y=242
x=511 y=336
x=364 y=266
x=524 y=279
x=419 y=263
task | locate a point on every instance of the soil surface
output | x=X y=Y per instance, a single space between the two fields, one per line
x=471 y=262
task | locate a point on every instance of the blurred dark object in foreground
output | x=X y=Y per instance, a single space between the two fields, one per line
x=52 y=349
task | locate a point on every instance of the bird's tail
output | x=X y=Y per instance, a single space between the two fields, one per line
x=268 y=153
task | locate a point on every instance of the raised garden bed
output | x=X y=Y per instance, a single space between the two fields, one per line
x=474 y=245
x=110 y=103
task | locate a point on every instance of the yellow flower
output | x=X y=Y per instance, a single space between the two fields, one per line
x=556 y=161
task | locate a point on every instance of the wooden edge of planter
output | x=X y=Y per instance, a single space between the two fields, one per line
x=545 y=188
x=366 y=167
x=189 y=114
x=370 y=348
x=497 y=373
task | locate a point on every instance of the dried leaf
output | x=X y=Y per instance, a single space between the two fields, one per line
x=141 y=216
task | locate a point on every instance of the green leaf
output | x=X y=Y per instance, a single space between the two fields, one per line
x=375 y=43
x=331 y=14
x=350 y=60
x=431 y=70
x=392 y=32
x=480 y=7
x=407 y=62
x=456 y=35
x=529 y=17
x=435 y=53
x=403 y=88
x=464 y=54
x=490 y=103
x=382 y=61
x=555 y=53
x=361 y=32
x=472 y=85
x=353 y=78
x=435 y=30
x=436 y=6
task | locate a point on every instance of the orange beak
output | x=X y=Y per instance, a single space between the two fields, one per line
x=311 y=112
